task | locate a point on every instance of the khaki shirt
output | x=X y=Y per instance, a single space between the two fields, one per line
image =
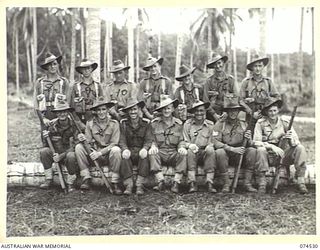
x=139 y=137
x=188 y=97
x=167 y=137
x=267 y=133
x=106 y=136
x=220 y=86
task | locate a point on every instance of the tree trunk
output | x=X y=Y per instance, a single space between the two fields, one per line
x=159 y=44
x=130 y=45
x=248 y=61
x=34 y=44
x=209 y=37
x=235 y=64
x=313 y=58
x=29 y=64
x=17 y=60
x=263 y=29
x=137 y=52
x=93 y=38
x=82 y=35
x=300 y=56
x=178 y=56
x=73 y=46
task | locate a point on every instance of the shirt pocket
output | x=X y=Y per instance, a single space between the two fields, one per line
x=174 y=138
x=203 y=139
x=267 y=134
x=159 y=136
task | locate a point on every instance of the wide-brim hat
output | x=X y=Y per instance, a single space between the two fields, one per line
x=118 y=65
x=62 y=106
x=151 y=61
x=167 y=101
x=102 y=101
x=86 y=63
x=184 y=71
x=49 y=59
x=198 y=104
x=216 y=58
x=271 y=102
x=231 y=101
x=257 y=58
x=131 y=103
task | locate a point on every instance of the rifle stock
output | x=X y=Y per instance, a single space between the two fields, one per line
x=61 y=179
x=88 y=150
x=282 y=145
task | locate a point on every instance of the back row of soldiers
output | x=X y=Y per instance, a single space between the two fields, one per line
x=174 y=130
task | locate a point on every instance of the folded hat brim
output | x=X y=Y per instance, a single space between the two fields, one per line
x=265 y=109
x=109 y=105
x=189 y=72
x=147 y=67
x=235 y=107
x=45 y=65
x=63 y=109
x=141 y=104
x=93 y=65
x=210 y=64
x=174 y=102
x=205 y=104
x=117 y=70
x=265 y=62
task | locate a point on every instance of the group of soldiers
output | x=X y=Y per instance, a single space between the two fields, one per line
x=149 y=126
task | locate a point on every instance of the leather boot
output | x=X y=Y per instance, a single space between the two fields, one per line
x=302 y=186
x=49 y=179
x=117 y=189
x=193 y=187
x=175 y=187
x=226 y=183
x=160 y=187
x=140 y=190
x=211 y=189
x=85 y=184
x=139 y=184
x=47 y=183
x=262 y=183
x=71 y=188
x=128 y=183
x=247 y=181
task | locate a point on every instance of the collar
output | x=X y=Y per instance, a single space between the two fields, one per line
x=45 y=78
x=140 y=123
x=257 y=80
x=95 y=121
x=278 y=124
x=205 y=122
x=220 y=77
x=123 y=82
x=184 y=88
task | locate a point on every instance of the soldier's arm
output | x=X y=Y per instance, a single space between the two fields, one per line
x=114 y=141
x=35 y=93
x=217 y=136
x=123 y=138
x=148 y=138
x=257 y=137
x=242 y=95
x=234 y=86
x=273 y=90
x=169 y=87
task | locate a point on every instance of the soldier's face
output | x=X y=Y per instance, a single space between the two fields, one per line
x=86 y=71
x=273 y=112
x=53 y=67
x=155 y=70
x=62 y=115
x=102 y=112
x=119 y=76
x=134 y=112
x=218 y=66
x=167 y=111
x=200 y=113
x=257 y=68
x=186 y=80
x=233 y=114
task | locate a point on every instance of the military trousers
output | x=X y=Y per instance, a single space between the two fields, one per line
x=202 y=158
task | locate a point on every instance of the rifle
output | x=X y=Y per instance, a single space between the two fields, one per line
x=61 y=179
x=237 y=172
x=88 y=150
x=282 y=145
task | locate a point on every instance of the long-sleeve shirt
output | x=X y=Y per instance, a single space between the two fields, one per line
x=139 y=137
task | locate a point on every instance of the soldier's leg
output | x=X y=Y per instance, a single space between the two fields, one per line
x=298 y=156
x=72 y=166
x=84 y=164
x=143 y=172
x=209 y=166
x=262 y=167
x=180 y=163
x=126 y=173
x=222 y=165
x=114 y=157
x=46 y=160
x=249 y=163
x=191 y=167
x=155 y=167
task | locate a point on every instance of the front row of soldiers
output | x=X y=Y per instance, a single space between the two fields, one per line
x=167 y=141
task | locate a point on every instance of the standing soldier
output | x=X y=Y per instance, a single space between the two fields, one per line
x=268 y=132
x=231 y=132
x=63 y=134
x=217 y=86
x=103 y=134
x=120 y=89
x=188 y=93
x=256 y=89
x=86 y=91
x=49 y=89
x=168 y=146
x=198 y=135
x=135 y=141
x=152 y=88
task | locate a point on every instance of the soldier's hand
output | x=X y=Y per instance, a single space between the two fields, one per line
x=46 y=122
x=81 y=137
x=153 y=150
x=95 y=155
x=249 y=100
x=278 y=151
x=194 y=148
x=209 y=149
x=257 y=115
x=288 y=135
x=182 y=151
x=126 y=154
x=143 y=153
x=223 y=116
x=56 y=157
x=239 y=150
x=45 y=133
x=247 y=134
x=51 y=122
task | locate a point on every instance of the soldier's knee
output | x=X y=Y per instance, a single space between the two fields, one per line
x=79 y=148
x=300 y=148
x=220 y=152
x=262 y=150
x=45 y=152
x=71 y=156
x=190 y=152
x=115 y=151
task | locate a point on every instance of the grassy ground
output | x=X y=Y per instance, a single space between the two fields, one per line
x=34 y=212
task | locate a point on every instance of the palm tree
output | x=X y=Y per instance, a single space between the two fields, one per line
x=73 y=45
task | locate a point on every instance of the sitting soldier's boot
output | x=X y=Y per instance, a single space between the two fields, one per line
x=302 y=186
x=262 y=183
x=160 y=179
x=117 y=189
x=226 y=183
x=193 y=187
x=175 y=187
x=70 y=187
x=49 y=179
x=211 y=189
x=128 y=183
x=71 y=179
x=85 y=184
x=247 y=181
x=139 y=184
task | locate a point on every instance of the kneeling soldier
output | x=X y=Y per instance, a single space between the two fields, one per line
x=135 y=141
x=63 y=134
x=232 y=132
x=102 y=133
x=197 y=133
x=168 y=145
x=267 y=134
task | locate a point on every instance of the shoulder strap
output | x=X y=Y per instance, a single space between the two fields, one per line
x=97 y=89
x=196 y=92
x=182 y=96
x=42 y=87
x=79 y=88
x=61 y=86
x=163 y=85
x=147 y=85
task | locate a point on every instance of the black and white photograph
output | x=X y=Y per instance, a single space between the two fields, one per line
x=160 y=121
